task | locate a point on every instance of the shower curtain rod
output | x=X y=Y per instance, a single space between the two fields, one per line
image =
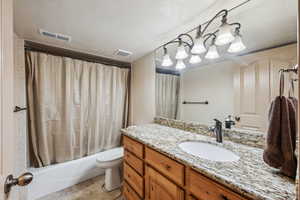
x=56 y=51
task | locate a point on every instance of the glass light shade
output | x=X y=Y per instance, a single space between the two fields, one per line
x=181 y=53
x=180 y=65
x=198 y=47
x=195 y=59
x=225 y=35
x=237 y=45
x=167 y=62
x=212 y=52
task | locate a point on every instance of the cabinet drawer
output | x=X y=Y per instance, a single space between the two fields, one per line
x=129 y=193
x=159 y=187
x=134 y=179
x=134 y=147
x=134 y=162
x=204 y=188
x=167 y=166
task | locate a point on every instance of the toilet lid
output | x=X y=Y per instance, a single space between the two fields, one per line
x=111 y=154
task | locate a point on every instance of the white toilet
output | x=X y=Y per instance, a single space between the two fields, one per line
x=110 y=160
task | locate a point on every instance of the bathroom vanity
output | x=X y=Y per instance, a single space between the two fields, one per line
x=156 y=167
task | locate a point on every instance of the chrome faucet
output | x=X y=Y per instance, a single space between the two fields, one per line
x=218 y=131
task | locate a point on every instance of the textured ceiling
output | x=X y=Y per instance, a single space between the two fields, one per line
x=102 y=26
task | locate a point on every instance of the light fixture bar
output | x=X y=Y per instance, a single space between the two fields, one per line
x=222 y=36
x=203 y=24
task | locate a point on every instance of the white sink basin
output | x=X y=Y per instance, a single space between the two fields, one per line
x=208 y=151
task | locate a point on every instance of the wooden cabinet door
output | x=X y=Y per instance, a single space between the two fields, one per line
x=129 y=193
x=252 y=95
x=159 y=187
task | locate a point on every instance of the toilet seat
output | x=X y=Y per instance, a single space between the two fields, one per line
x=110 y=155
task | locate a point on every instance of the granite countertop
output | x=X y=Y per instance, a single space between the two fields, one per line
x=249 y=176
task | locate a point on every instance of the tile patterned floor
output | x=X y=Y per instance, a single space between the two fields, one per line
x=88 y=190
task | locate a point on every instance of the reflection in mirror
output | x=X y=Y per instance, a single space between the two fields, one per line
x=230 y=70
x=237 y=91
x=167 y=93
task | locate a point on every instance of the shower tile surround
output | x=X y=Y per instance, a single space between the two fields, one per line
x=249 y=176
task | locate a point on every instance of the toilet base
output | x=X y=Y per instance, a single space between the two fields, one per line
x=112 y=178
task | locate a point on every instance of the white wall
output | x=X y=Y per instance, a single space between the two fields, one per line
x=213 y=83
x=142 y=106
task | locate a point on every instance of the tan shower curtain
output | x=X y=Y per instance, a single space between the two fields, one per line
x=167 y=93
x=76 y=108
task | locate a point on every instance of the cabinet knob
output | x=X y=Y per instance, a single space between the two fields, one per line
x=168 y=167
x=224 y=197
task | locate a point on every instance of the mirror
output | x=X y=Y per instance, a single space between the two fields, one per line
x=236 y=88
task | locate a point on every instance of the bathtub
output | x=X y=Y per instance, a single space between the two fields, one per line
x=60 y=176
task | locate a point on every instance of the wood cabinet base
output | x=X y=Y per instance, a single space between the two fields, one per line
x=151 y=175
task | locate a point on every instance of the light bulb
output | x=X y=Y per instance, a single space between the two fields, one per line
x=167 y=62
x=237 y=45
x=180 y=64
x=212 y=52
x=225 y=35
x=195 y=59
x=181 y=53
x=198 y=47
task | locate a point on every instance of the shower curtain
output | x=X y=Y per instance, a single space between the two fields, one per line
x=167 y=94
x=76 y=108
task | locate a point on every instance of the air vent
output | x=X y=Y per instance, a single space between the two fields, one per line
x=47 y=33
x=123 y=53
x=63 y=37
x=57 y=36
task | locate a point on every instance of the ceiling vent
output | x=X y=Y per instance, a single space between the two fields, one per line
x=123 y=53
x=63 y=37
x=57 y=36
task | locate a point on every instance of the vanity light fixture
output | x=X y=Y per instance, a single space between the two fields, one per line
x=225 y=35
x=195 y=59
x=198 y=47
x=220 y=37
x=167 y=62
x=181 y=53
x=212 y=52
x=180 y=65
x=237 y=45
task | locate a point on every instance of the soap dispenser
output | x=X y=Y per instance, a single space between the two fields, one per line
x=229 y=122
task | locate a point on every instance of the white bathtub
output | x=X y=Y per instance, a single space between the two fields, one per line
x=60 y=176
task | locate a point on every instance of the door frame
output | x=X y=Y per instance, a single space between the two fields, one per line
x=298 y=60
x=7 y=134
